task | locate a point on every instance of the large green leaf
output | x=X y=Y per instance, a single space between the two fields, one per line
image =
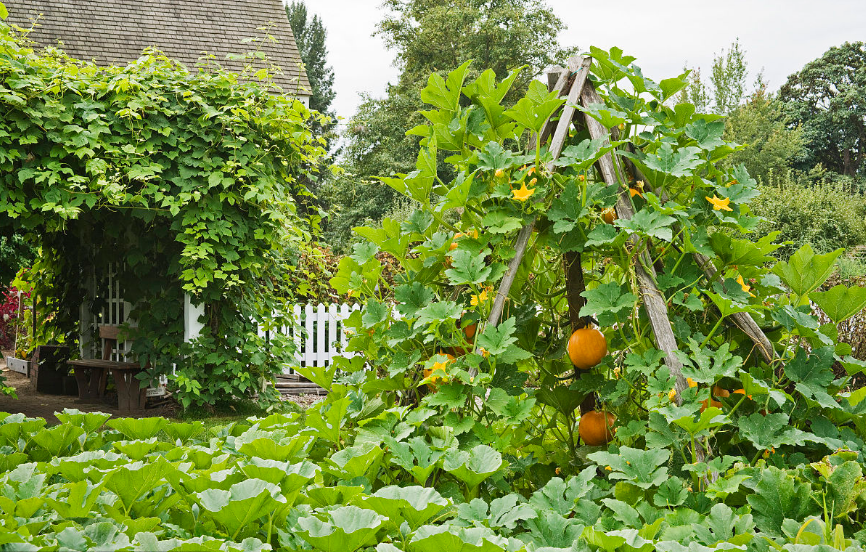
x=291 y=449
x=76 y=500
x=649 y=223
x=737 y=252
x=676 y=163
x=469 y=268
x=352 y=462
x=703 y=365
x=135 y=429
x=812 y=373
x=840 y=302
x=442 y=93
x=88 y=421
x=58 y=439
x=416 y=457
x=644 y=468
x=770 y=431
x=345 y=529
x=777 y=496
x=440 y=538
x=183 y=432
x=415 y=505
x=805 y=270
x=74 y=468
x=133 y=481
x=609 y=297
x=474 y=466
x=237 y=508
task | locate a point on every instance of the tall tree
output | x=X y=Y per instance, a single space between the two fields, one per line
x=760 y=124
x=728 y=78
x=828 y=97
x=430 y=36
x=727 y=86
x=310 y=36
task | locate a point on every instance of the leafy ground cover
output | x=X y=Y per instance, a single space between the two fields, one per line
x=345 y=477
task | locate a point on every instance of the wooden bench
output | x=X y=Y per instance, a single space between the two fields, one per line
x=92 y=375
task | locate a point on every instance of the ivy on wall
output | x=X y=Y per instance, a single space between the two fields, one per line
x=191 y=179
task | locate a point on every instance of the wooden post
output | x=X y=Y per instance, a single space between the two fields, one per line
x=653 y=301
x=743 y=320
x=580 y=66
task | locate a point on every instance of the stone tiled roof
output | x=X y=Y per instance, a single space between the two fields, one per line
x=117 y=31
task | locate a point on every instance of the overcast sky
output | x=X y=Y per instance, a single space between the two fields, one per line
x=779 y=36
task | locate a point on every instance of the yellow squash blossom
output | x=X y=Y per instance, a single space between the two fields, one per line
x=743 y=285
x=523 y=193
x=720 y=204
x=478 y=299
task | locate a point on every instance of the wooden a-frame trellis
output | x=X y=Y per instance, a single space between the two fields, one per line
x=573 y=84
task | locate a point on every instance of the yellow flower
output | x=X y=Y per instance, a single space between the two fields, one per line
x=478 y=299
x=581 y=177
x=499 y=173
x=523 y=193
x=719 y=204
x=484 y=352
x=743 y=285
x=607 y=468
x=634 y=192
x=691 y=382
x=672 y=394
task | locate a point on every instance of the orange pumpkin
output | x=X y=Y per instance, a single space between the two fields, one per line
x=586 y=348
x=596 y=428
x=608 y=215
x=713 y=403
x=721 y=392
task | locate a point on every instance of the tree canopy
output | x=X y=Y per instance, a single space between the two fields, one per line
x=828 y=97
x=430 y=36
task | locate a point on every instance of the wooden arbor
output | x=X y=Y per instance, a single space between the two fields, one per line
x=572 y=83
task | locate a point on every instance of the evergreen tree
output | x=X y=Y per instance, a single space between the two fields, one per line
x=310 y=36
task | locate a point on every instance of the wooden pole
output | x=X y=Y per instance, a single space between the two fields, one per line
x=743 y=320
x=653 y=301
x=580 y=66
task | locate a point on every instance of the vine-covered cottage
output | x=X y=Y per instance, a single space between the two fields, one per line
x=117 y=260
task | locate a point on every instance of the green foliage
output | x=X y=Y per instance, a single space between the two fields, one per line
x=825 y=215
x=728 y=79
x=430 y=37
x=825 y=97
x=191 y=179
x=770 y=146
x=677 y=456
x=310 y=36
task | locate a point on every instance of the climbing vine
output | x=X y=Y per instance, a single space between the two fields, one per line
x=191 y=179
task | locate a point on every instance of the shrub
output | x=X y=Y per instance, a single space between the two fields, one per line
x=824 y=214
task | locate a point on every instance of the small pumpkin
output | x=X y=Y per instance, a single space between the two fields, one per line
x=586 y=348
x=708 y=403
x=721 y=392
x=609 y=215
x=596 y=428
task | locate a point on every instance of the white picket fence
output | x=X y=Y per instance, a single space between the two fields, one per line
x=319 y=333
